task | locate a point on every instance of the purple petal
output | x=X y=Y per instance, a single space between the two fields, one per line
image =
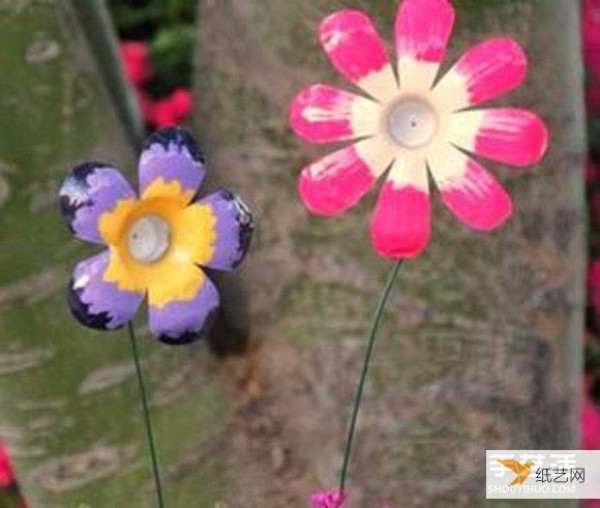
x=183 y=322
x=90 y=190
x=171 y=154
x=234 y=229
x=96 y=303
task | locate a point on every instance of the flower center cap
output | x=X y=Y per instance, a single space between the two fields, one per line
x=412 y=123
x=149 y=239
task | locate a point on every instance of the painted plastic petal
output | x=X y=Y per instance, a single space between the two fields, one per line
x=171 y=155
x=338 y=181
x=469 y=190
x=99 y=304
x=234 y=227
x=401 y=224
x=358 y=53
x=423 y=29
x=182 y=322
x=90 y=190
x=322 y=114
x=328 y=499
x=485 y=72
x=512 y=136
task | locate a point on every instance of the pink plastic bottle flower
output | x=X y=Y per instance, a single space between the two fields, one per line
x=414 y=126
x=328 y=499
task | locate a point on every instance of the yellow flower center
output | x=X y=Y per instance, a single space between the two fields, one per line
x=157 y=243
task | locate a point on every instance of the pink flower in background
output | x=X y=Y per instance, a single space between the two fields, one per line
x=136 y=58
x=592 y=172
x=594 y=284
x=415 y=127
x=173 y=110
x=169 y=111
x=7 y=476
x=328 y=499
x=591 y=45
x=590 y=424
x=182 y=102
x=591 y=26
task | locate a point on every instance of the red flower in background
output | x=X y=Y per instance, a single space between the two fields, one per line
x=169 y=111
x=591 y=47
x=7 y=476
x=136 y=59
x=172 y=110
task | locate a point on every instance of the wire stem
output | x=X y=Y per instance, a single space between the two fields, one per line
x=147 y=420
x=365 y=369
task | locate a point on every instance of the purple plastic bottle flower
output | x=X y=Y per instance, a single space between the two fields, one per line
x=328 y=499
x=159 y=241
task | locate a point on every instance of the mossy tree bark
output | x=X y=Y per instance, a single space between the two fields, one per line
x=69 y=401
x=481 y=347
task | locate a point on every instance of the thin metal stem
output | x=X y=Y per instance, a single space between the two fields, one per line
x=147 y=419
x=365 y=369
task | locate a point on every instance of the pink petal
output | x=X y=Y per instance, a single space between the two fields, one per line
x=357 y=51
x=485 y=72
x=322 y=114
x=401 y=224
x=423 y=29
x=470 y=191
x=339 y=180
x=512 y=136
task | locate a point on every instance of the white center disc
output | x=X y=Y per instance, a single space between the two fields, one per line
x=149 y=239
x=412 y=123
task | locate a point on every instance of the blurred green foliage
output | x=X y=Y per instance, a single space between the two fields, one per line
x=168 y=27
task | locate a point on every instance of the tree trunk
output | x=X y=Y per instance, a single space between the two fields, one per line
x=70 y=407
x=481 y=345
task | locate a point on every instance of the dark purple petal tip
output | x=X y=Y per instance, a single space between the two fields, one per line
x=90 y=190
x=96 y=303
x=83 y=313
x=189 y=337
x=174 y=137
x=235 y=227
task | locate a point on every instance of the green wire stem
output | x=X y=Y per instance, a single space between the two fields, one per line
x=365 y=369
x=147 y=420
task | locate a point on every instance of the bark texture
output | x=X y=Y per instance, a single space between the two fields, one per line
x=69 y=402
x=481 y=346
